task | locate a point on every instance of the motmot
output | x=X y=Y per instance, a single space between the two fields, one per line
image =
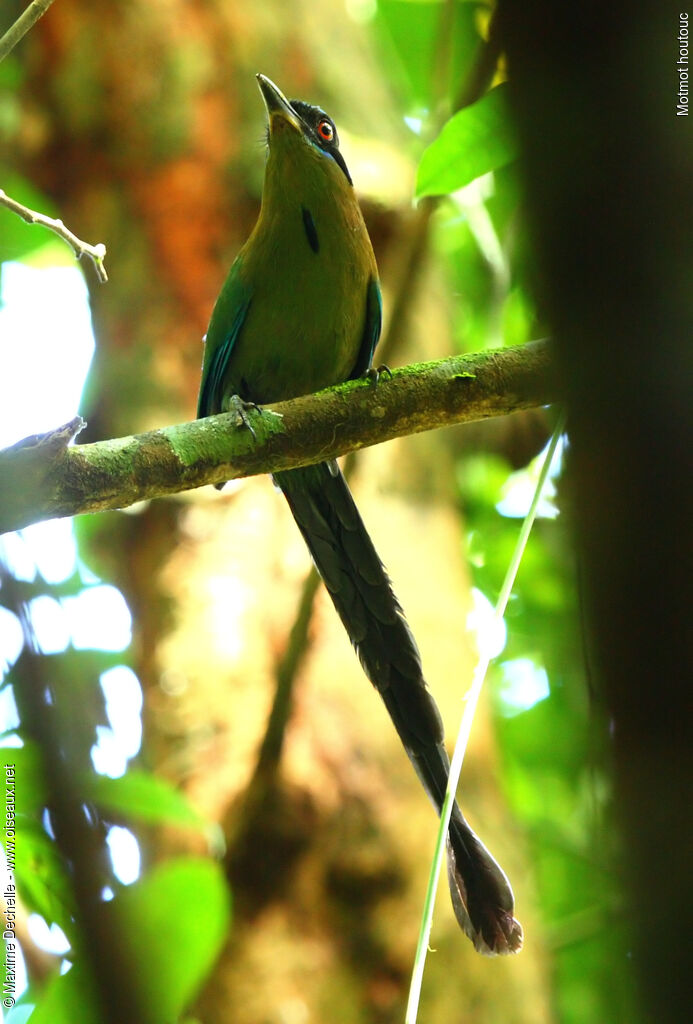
x=301 y=310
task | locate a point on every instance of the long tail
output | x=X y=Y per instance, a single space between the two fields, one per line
x=359 y=586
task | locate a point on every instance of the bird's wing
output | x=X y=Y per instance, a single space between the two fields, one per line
x=371 y=329
x=231 y=308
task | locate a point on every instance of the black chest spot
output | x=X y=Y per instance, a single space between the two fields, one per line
x=310 y=229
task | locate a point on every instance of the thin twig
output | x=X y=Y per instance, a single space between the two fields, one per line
x=464 y=732
x=24 y=22
x=96 y=253
x=285 y=673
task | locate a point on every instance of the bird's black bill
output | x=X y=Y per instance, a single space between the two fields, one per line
x=277 y=104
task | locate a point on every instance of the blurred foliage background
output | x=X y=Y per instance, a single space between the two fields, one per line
x=290 y=894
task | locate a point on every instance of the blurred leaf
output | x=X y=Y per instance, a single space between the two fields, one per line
x=79 y=701
x=170 y=958
x=41 y=880
x=174 y=955
x=17 y=238
x=141 y=795
x=12 y=74
x=30 y=788
x=416 y=36
x=473 y=142
x=66 y=999
x=518 y=318
x=11 y=78
x=52 y=252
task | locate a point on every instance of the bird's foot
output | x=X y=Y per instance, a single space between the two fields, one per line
x=240 y=407
x=374 y=373
x=237 y=405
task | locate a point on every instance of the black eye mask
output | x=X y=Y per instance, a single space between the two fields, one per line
x=311 y=117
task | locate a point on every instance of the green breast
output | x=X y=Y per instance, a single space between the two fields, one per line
x=306 y=268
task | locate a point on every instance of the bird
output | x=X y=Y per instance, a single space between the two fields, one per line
x=301 y=310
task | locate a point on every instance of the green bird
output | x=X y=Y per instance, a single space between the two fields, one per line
x=299 y=311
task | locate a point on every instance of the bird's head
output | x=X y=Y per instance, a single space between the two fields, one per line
x=302 y=139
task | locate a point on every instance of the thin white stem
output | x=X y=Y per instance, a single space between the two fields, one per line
x=26 y=20
x=464 y=733
x=96 y=253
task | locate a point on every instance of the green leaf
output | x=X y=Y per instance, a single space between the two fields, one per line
x=178 y=953
x=408 y=36
x=474 y=141
x=143 y=796
x=68 y=998
x=18 y=240
x=42 y=882
x=171 y=955
x=28 y=776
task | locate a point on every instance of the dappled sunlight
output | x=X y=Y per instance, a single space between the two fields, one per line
x=51 y=938
x=489 y=633
x=44 y=323
x=518 y=490
x=523 y=684
x=125 y=854
x=53 y=548
x=46 y=337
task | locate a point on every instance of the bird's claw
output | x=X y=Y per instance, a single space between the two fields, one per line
x=374 y=373
x=240 y=407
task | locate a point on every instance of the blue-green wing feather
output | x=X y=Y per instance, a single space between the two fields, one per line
x=371 y=329
x=227 y=321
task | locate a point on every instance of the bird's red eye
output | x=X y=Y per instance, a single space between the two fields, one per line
x=325 y=130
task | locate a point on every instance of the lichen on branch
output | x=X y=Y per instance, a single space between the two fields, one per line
x=46 y=476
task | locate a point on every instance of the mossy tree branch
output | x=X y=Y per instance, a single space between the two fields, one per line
x=43 y=477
